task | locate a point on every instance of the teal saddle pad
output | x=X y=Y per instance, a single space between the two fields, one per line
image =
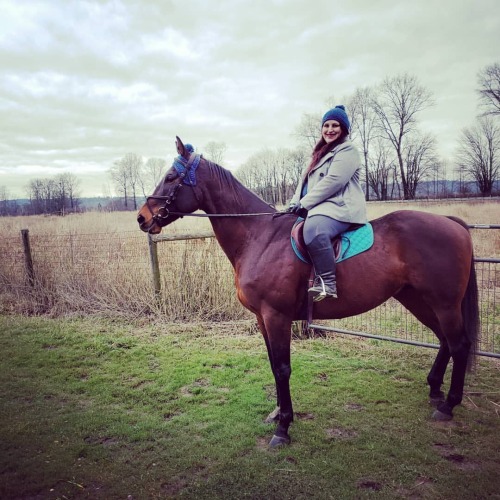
x=351 y=243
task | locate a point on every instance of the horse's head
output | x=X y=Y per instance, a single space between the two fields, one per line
x=175 y=193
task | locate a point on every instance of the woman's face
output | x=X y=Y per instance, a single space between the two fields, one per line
x=331 y=131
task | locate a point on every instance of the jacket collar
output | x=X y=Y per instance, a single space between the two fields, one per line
x=329 y=155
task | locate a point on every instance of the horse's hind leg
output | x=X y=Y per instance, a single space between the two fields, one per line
x=436 y=375
x=414 y=302
x=459 y=347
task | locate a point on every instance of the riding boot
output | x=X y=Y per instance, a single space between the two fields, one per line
x=321 y=252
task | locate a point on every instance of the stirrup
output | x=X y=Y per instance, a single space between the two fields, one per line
x=320 y=291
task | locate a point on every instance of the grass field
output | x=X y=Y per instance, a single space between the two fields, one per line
x=94 y=409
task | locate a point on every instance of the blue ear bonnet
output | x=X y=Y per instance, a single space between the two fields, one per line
x=180 y=164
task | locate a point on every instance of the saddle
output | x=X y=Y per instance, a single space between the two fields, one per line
x=345 y=245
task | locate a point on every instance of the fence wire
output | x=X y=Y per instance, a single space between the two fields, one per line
x=111 y=273
x=392 y=321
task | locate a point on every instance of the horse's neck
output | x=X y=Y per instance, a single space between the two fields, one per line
x=231 y=197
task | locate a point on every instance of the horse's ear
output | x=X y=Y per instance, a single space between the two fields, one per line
x=180 y=147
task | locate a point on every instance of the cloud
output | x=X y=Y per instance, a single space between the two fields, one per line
x=84 y=83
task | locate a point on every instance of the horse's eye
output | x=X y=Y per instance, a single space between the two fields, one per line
x=170 y=176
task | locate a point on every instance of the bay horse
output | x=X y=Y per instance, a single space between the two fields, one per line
x=425 y=261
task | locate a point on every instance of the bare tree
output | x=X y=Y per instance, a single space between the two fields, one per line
x=35 y=195
x=398 y=101
x=73 y=186
x=4 y=201
x=382 y=169
x=489 y=89
x=120 y=178
x=308 y=132
x=214 y=151
x=125 y=174
x=67 y=185
x=298 y=160
x=363 y=124
x=479 y=153
x=420 y=160
x=152 y=173
x=273 y=174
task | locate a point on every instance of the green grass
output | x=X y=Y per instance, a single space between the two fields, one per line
x=95 y=409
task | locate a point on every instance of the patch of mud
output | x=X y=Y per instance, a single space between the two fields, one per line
x=177 y=484
x=202 y=382
x=448 y=424
x=270 y=391
x=422 y=488
x=104 y=440
x=341 y=433
x=171 y=414
x=304 y=416
x=368 y=484
x=354 y=407
x=194 y=388
x=186 y=391
x=140 y=384
x=262 y=444
x=449 y=453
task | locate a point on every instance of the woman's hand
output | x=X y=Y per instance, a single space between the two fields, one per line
x=297 y=210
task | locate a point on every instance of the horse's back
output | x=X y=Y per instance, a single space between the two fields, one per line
x=418 y=230
x=436 y=250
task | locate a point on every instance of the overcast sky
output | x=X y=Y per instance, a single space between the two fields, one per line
x=85 y=82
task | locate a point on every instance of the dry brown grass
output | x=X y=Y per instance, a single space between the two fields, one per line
x=486 y=241
x=98 y=262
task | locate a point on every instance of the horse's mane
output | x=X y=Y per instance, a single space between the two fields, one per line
x=229 y=184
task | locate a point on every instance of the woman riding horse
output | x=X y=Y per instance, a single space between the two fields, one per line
x=331 y=194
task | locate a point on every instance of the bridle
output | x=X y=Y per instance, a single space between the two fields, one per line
x=185 y=169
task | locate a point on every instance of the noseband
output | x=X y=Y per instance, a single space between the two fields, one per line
x=186 y=170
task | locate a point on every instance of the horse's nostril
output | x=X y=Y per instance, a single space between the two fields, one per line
x=140 y=219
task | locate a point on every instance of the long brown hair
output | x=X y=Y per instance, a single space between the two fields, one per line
x=322 y=148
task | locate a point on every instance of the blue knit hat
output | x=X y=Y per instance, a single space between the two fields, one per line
x=337 y=113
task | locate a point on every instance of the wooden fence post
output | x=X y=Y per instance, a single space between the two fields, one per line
x=27 y=256
x=155 y=267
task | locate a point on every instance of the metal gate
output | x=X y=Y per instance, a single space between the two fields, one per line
x=391 y=321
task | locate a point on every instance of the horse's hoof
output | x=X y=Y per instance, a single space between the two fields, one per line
x=273 y=417
x=278 y=441
x=439 y=416
x=435 y=402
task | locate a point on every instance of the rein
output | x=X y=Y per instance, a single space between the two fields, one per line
x=185 y=214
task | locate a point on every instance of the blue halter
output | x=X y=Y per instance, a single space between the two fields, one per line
x=182 y=166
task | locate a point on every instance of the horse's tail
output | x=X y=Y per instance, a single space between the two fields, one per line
x=470 y=307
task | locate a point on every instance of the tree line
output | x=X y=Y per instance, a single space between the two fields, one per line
x=397 y=155
x=52 y=195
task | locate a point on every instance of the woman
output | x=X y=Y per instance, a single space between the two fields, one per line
x=331 y=193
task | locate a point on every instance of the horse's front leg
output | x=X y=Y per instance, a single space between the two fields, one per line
x=274 y=416
x=278 y=329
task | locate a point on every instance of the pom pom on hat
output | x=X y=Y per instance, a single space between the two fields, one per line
x=189 y=148
x=337 y=113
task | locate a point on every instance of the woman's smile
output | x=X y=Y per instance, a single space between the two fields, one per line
x=331 y=131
